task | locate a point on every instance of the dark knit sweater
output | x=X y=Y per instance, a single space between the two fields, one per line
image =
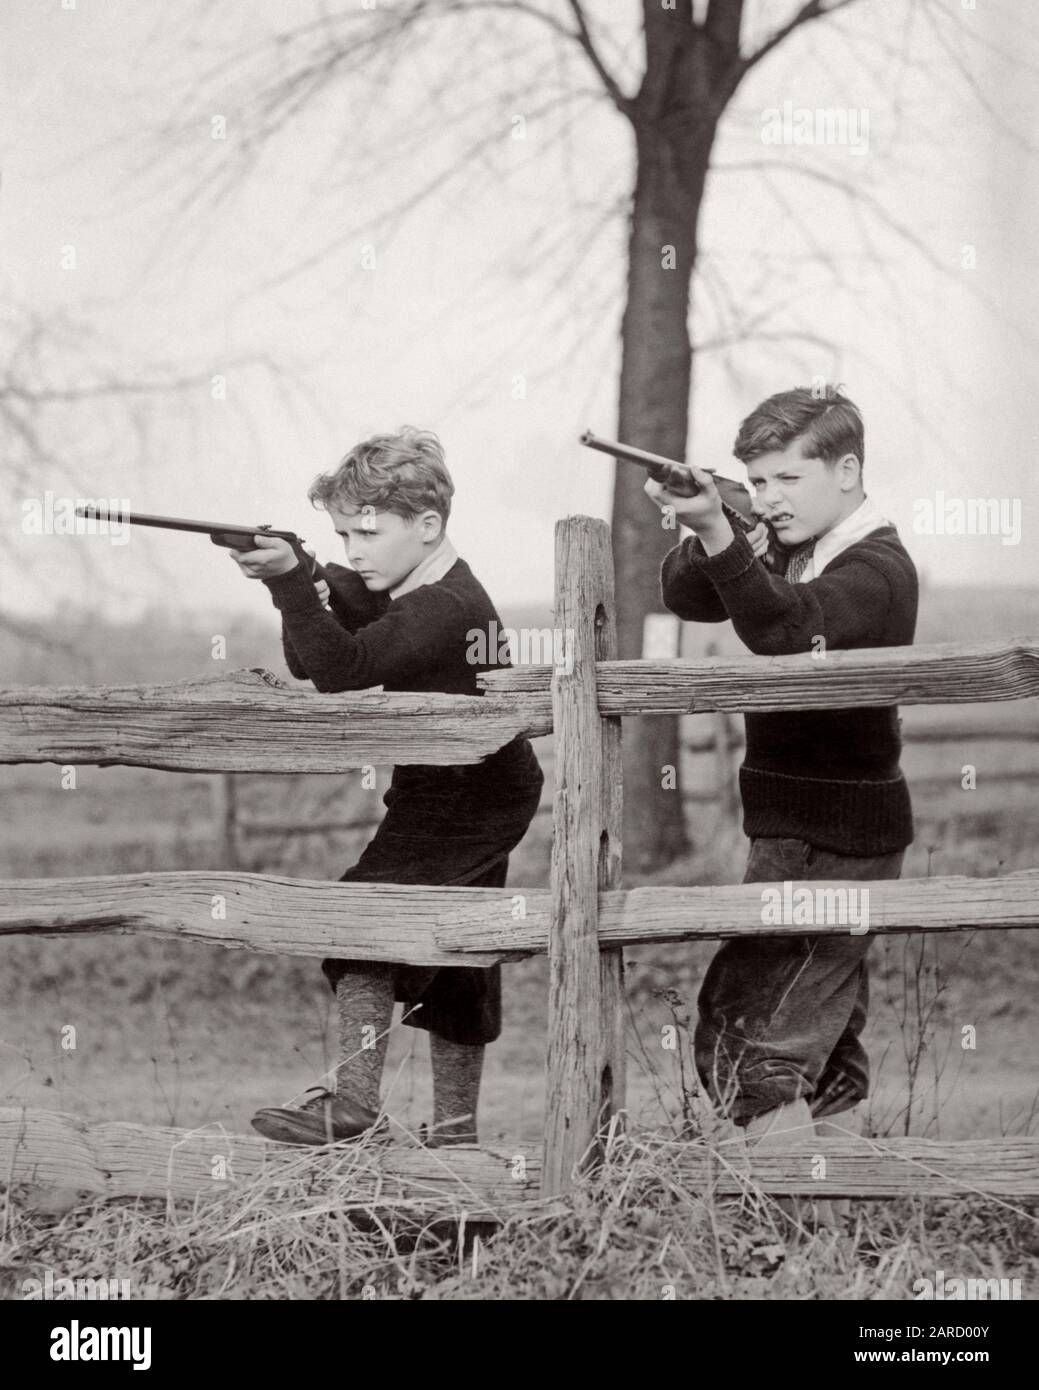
x=830 y=777
x=419 y=641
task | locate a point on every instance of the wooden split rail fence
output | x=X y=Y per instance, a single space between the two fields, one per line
x=249 y=721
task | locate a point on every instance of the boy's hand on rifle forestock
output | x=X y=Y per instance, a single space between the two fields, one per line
x=273 y=556
x=702 y=513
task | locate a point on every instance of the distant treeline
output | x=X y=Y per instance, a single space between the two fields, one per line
x=76 y=647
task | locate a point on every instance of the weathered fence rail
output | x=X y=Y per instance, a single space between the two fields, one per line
x=940 y=674
x=114 y=1159
x=429 y=926
x=248 y=721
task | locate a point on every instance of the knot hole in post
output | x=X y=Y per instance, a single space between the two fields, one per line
x=605 y=1093
x=599 y=622
x=604 y=854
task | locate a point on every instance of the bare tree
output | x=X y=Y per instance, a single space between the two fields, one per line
x=551 y=59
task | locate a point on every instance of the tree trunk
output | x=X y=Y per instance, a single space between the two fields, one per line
x=656 y=376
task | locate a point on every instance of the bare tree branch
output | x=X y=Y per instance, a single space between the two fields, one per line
x=69 y=405
x=722 y=25
x=888 y=219
x=581 y=36
x=765 y=335
x=973 y=86
x=811 y=9
x=408 y=204
x=622 y=102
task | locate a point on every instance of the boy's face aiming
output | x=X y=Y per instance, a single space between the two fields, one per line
x=384 y=547
x=803 y=497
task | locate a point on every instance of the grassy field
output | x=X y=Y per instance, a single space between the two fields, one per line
x=189 y=1035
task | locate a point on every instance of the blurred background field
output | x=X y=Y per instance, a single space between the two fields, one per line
x=189 y=1035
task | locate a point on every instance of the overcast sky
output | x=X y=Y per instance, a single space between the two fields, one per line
x=499 y=277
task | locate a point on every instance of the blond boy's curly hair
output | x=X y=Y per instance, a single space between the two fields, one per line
x=403 y=472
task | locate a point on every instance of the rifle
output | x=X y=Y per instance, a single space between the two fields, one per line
x=680 y=482
x=229 y=536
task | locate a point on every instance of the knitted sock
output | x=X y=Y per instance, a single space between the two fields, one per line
x=833 y=1212
x=457 y=1068
x=364 y=995
x=785 y=1127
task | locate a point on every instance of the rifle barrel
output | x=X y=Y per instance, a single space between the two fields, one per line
x=627 y=451
x=179 y=523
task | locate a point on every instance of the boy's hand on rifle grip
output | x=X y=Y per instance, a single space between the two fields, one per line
x=759 y=540
x=272 y=556
x=324 y=593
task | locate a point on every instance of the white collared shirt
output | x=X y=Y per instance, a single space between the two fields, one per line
x=429 y=570
x=865 y=519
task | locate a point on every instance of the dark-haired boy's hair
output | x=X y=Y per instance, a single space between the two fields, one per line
x=828 y=426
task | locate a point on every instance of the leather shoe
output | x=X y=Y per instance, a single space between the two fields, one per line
x=326 y=1118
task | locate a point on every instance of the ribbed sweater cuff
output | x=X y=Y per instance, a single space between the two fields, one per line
x=293 y=592
x=856 y=818
x=728 y=564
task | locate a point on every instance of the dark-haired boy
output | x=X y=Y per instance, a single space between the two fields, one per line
x=404 y=616
x=823 y=795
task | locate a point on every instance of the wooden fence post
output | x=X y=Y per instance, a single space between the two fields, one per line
x=225 y=799
x=585 y=1072
x=726 y=776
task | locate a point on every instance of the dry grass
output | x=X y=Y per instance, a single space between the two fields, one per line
x=631 y=1232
